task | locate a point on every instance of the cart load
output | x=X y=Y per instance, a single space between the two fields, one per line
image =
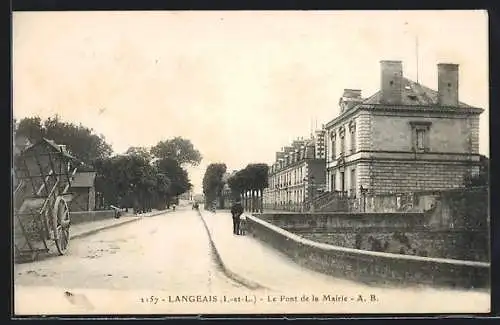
x=44 y=172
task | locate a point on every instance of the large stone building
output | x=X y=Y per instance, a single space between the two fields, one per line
x=298 y=174
x=404 y=138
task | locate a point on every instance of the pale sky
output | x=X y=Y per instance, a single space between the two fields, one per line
x=240 y=85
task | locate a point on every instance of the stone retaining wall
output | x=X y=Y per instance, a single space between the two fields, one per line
x=369 y=266
x=88 y=216
x=424 y=234
x=332 y=220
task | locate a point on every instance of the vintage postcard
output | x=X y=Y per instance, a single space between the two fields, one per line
x=250 y=162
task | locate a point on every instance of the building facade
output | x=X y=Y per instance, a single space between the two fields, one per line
x=297 y=175
x=83 y=189
x=404 y=138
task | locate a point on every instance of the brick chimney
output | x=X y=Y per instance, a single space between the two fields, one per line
x=350 y=98
x=448 y=84
x=352 y=93
x=391 y=82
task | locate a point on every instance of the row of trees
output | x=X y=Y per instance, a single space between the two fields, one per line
x=143 y=178
x=252 y=178
x=213 y=182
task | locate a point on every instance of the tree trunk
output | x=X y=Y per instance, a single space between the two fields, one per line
x=253 y=200
x=261 y=201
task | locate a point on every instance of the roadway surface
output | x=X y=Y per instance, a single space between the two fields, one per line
x=164 y=264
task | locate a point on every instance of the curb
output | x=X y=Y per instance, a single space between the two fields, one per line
x=220 y=263
x=96 y=230
x=153 y=215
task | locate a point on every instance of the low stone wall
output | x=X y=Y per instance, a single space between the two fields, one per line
x=369 y=266
x=445 y=244
x=89 y=216
x=404 y=233
x=341 y=221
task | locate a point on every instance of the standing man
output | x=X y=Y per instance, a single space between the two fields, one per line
x=236 y=212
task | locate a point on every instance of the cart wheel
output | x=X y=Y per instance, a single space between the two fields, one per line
x=61 y=223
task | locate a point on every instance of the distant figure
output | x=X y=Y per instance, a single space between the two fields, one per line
x=236 y=212
x=243 y=225
x=173 y=207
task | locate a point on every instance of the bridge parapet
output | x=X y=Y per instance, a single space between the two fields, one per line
x=370 y=266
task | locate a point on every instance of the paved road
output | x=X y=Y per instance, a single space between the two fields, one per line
x=166 y=252
x=142 y=267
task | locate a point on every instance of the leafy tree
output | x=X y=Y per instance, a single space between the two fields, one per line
x=79 y=140
x=258 y=174
x=212 y=182
x=131 y=180
x=237 y=184
x=140 y=151
x=30 y=127
x=178 y=149
x=178 y=176
x=163 y=184
x=254 y=177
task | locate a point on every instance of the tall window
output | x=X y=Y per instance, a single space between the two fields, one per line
x=420 y=136
x=342 y=141
x=334 y=140
x=334 y=187
x=352 y=129
x=353 y=182
x=420 y=139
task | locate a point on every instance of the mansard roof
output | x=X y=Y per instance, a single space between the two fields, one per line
x=413 y=93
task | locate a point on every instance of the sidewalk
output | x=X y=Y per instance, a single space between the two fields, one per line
x=258 y=264
x=92 y=227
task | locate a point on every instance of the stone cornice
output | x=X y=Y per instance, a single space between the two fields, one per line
x=422 y=108
x=403 y=108
x=406 y=156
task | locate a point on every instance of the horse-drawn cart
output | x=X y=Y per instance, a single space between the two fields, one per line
x=44 y=172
